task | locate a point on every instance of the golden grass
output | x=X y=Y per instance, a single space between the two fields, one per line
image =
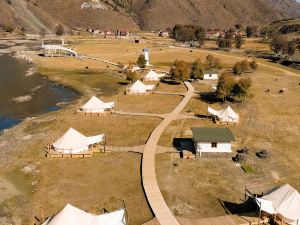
x=153 y=103
x=268 y=121
x=102 y=182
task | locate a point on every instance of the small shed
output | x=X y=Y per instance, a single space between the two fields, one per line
x=212 y=140
x=210 y=75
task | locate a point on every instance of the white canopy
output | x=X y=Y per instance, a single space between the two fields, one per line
x=71 y=215
x=73 y=142
x=114 y=218
x=59 y=47
x=225 y=115
x=284 y=201
x=95 y=105
x=153 y=76
x=139 y=87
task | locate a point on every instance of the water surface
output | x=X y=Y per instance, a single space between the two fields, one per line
x=25 y=96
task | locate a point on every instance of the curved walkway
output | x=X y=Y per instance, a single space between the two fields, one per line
x=153 y=193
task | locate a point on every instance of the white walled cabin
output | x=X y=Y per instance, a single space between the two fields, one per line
x=210 y=75
x=212 y=140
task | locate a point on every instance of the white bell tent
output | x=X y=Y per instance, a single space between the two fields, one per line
x=95 y=105
x=73 y=142
x=139 y=88
x=71 y=215
x=153 y=76
x=226 y=115
x=284 y=202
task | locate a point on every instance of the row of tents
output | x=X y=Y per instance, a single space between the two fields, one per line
x=139 y=88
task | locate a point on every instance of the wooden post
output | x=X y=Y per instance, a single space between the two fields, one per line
x=43 y=219
x=259 y=215
x=126 y=214
x=104 y=144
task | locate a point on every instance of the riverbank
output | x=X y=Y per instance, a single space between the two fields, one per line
x=24 y=93
x=23 y=147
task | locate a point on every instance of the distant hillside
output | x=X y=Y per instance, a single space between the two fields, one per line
x=145 y=14
x=284 y=27
x=213 y=13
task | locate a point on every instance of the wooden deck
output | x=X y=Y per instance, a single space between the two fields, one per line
x=54 y=154
x=109 y=112
x=225 y=123
x=51 y=153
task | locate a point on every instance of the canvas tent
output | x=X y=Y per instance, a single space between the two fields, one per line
x=71 y=215
x=95 y=105
x=139 y=88
x=73 y=142
x=225 y=116
x=284 y=202
x=153 y=76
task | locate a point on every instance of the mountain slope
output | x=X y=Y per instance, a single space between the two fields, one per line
x=213 y=13
x=148 y=14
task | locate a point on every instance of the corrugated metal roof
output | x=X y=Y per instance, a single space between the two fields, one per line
x=212 y=134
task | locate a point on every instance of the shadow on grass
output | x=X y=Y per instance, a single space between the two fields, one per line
x=245 y=208
x=208 y=97
x=184 y=144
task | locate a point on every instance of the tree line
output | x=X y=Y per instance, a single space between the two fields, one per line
x=181 y=70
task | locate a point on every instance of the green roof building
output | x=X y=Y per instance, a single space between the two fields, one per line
x=214 y=140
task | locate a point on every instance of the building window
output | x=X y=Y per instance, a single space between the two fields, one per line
x=210 y=75
x=214 y=144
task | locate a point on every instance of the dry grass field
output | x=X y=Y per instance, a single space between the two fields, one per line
x=102 y=181
x=268 y=121
x=191 y=188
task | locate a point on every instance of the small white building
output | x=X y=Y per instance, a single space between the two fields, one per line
x=164 y=33
x=73 y=142
x=226 y=115
x=210 y=75
x=153 y=76
x=95 y=105
x=71 y=215
x=212 y=140
x=139 y=88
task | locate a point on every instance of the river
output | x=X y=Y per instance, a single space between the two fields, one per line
x=23 y=96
